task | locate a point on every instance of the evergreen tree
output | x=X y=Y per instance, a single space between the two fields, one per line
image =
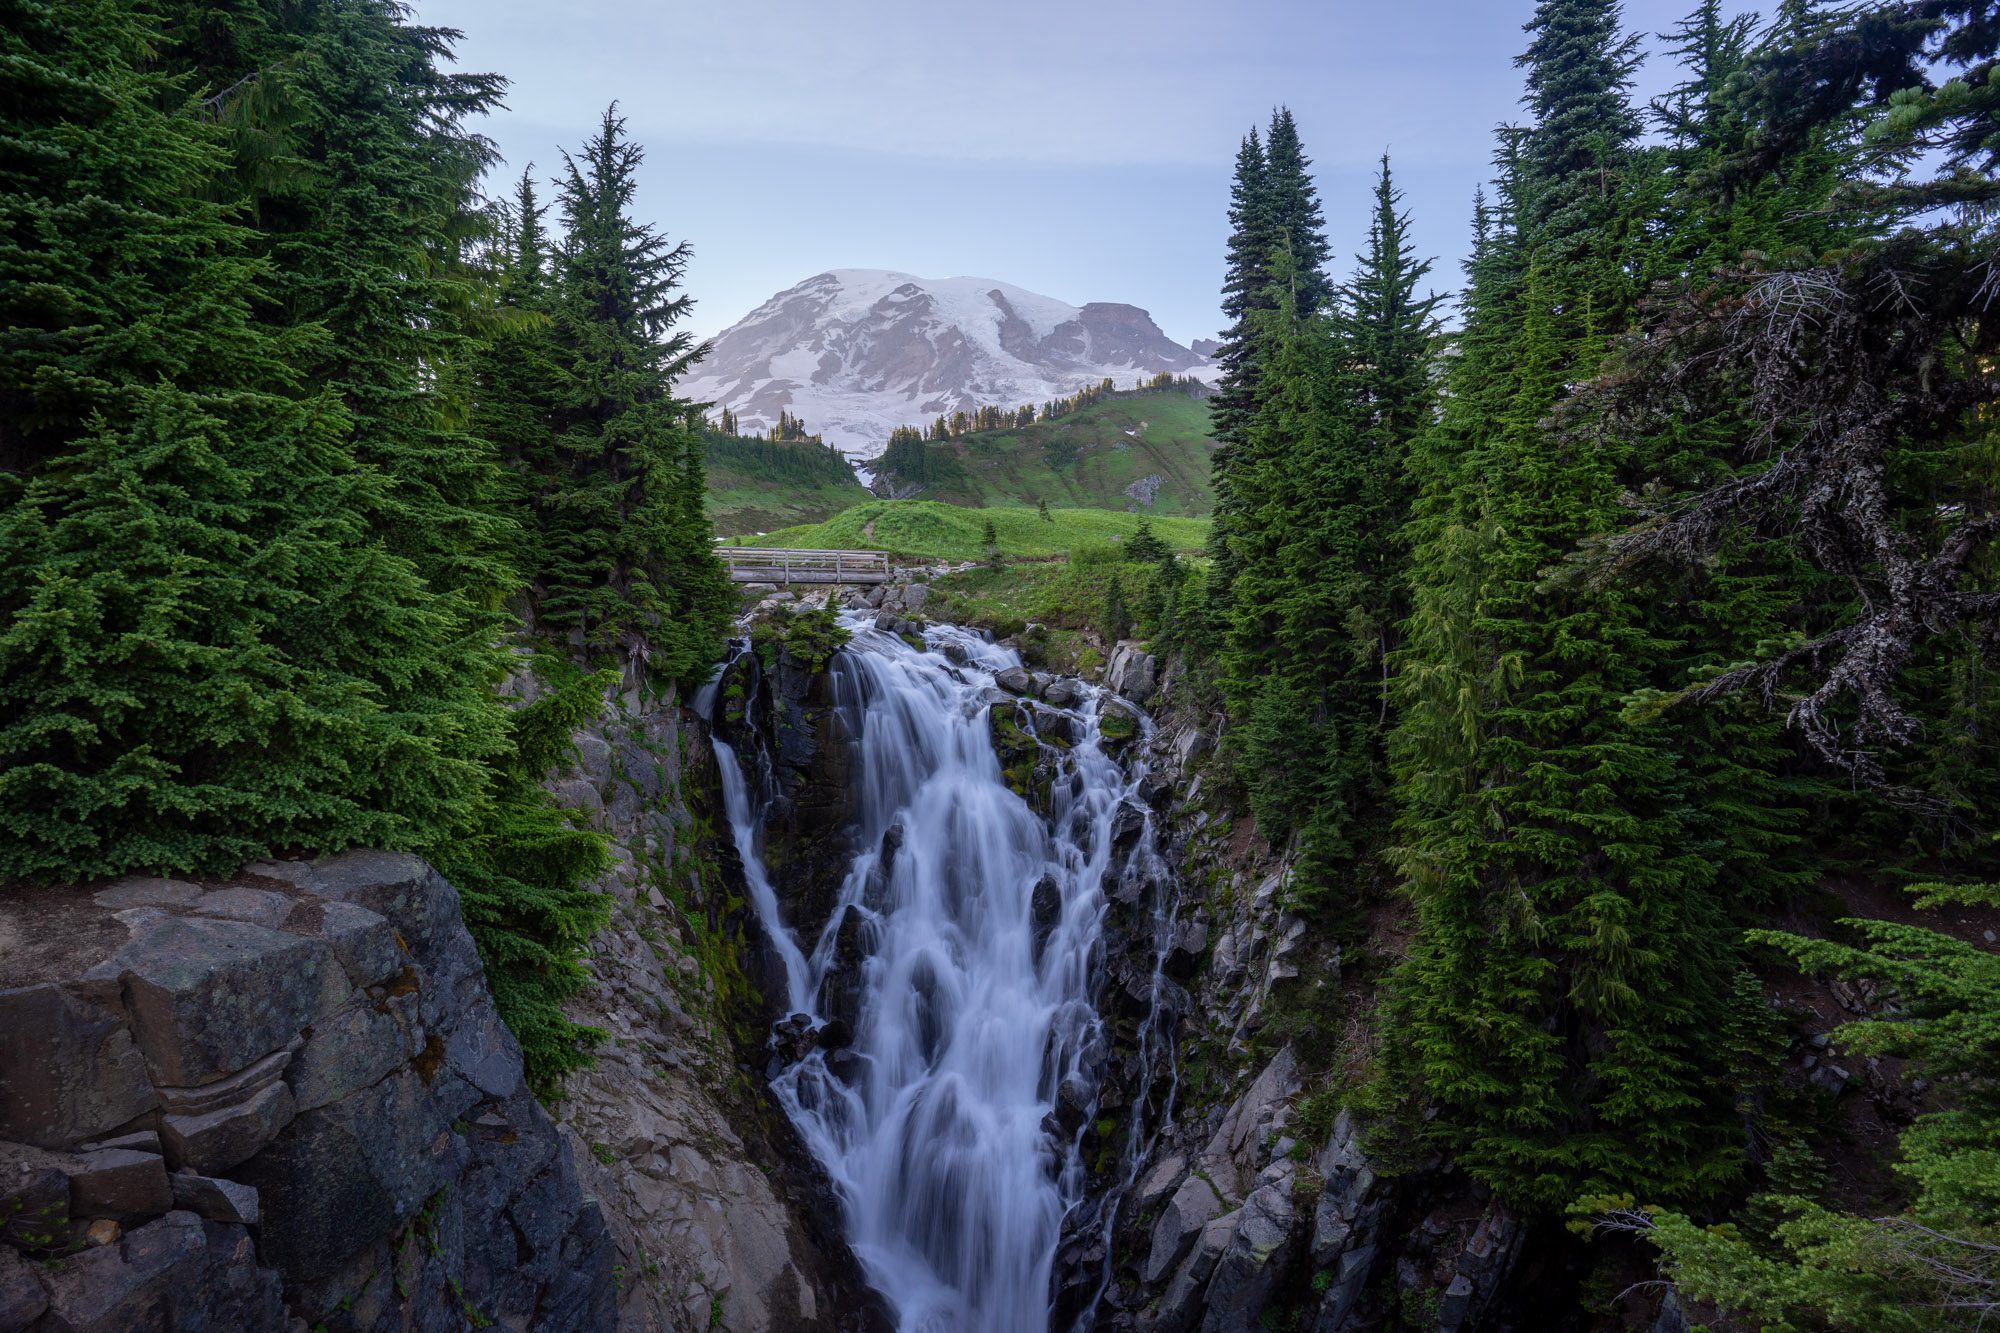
x=1573 y=953
x=629 y=566
x=1042 y=511
x=1245 y=285
x=1292 y=202
x=1117 y=618
x=1145 y=544
x=516 y=379
x=206 y=655
x=1934 y=1261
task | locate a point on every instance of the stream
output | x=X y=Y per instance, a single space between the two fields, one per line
x=953 y=993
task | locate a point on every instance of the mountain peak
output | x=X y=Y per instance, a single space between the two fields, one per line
x=856 y=352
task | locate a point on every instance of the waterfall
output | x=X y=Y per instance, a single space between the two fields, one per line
x=954 y=987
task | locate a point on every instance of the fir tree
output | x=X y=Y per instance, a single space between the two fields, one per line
x=1573 y=952
x=206 y=655
x=1245 y=287
x=628 y=565
x=1117 y=618
x=1292 y=202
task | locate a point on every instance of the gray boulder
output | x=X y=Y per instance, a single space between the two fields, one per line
x=1132 y=672
x=1193 y=1206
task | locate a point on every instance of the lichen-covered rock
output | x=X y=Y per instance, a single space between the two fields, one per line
x=1193 y=1206
x=313 y=1049
x=1258 y=1259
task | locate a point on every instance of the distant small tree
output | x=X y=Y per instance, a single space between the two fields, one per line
x=1042 y=511
x=1145 y=545
x=991 y=539
x=1117 y=620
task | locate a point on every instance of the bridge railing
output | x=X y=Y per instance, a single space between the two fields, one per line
x=780 y=565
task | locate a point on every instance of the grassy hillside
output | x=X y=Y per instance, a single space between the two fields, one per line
x=757 y=485
x=1107 y=455
x=936 y=531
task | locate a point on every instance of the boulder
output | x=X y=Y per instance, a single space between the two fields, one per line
x=1193 y=1206
x=21 y=1296
x=179 y=1274
x=1257 y=1261
x=119 y=1183
x=1189 y=746
x=1065 y=692
x=209 y=998
x=1159 y=1182
x=1182 y=1301
x=216 y=1199
x=34 y=1199
x=1014 y=680
x=1044 y=911
x=1132 y=672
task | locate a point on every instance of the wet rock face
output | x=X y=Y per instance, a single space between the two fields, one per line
x=713 y=1205
x=309 y=1050
x=784 y=726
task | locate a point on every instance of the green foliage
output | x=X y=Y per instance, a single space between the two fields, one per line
x=934 y=531
x=281 y=406
x=207 y=652
x=755 y=485
x=627 y=562
x=1934 y=1262
x=1574 y=953
x=1152 y=441
x=519 y=868
x=809 y=638
x=1117 y=620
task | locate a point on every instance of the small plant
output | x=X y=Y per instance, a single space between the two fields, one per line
x=602 y=1152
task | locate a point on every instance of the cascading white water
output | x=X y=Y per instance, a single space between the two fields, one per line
x=976 y=930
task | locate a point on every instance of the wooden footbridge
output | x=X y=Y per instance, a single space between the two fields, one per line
x=752 y=564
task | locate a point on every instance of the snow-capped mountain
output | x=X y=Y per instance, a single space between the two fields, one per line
x=857 y=352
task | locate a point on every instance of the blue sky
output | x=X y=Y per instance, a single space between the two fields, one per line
x=1079 y=149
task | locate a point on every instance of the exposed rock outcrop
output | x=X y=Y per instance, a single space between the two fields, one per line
x=720 y=1217
x=308 y=1050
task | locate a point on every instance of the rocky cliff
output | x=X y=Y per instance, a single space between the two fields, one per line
x=277 y=1102
x=719 y=1217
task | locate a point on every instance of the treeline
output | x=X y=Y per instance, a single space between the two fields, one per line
x=944 y=427
x=807 y=462
x=906 y=458
x=789 y=427
x=305 y=448
x=1604 y=637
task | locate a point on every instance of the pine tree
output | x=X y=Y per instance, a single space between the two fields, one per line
x=1042 y=511
x=206 y=655
x=1573 y=953
x=1244 y=290
x=629 y=567
x=1117 y=618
